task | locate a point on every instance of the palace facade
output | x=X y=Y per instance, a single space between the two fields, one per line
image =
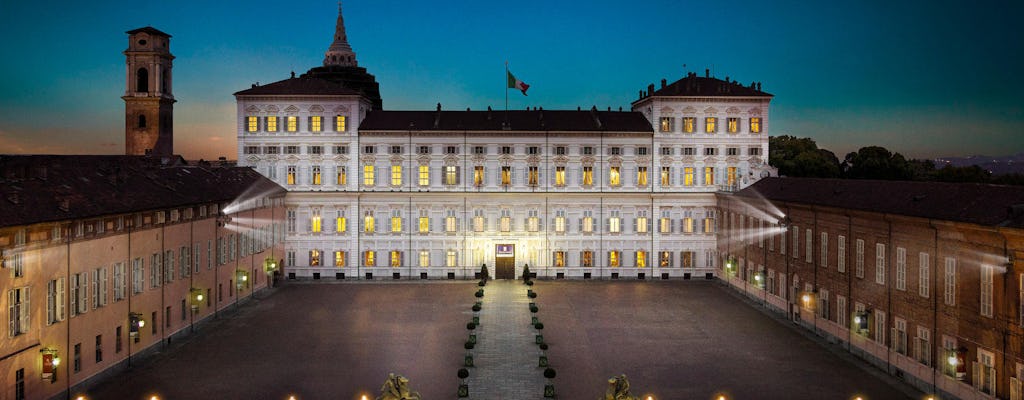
x=583 y=193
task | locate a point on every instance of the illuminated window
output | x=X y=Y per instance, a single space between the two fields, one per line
x=272 y=124
x=451 y=258
x=368 y=222
x=533 y=176
x=666 y=176
x=315 y=224
x=252 y=124
x=292 y=123
x=316 y=123
x=665 y=224
x=314 y=258
x=424 y=175
x=506 y=175
x=730 y=176
x=558 y=258
x=613 y=176
x=316 y=175
x=687 y=259
x=368 y=175
x=424 y=258
x=587 y=222
x=588 y=176
x=587 y=258
x=641 y=176
x=506 y=220
x=732 y=124
x=709 y=225
x=450 y=222
x=709 y=176
x=478 y=175
x=559 y=176
x=666 y=124
x=342 y=176
x=339 y=123
x=369 y=258
x=688 y=177
x=755 y=125
x=340 y=222
x=291 y=175
x=560 y=221
x=641 y=222
x=689 y=124
x=339 y=258
x=424 y=224
x=710 y=125
x=641 y=259
x=396 y=175
x=396 y=258
x=665 y=259
x=533 y=221
x=396 y=221
x=451 y=175
x=613 y=259
x=615 y=222
x=478 y=221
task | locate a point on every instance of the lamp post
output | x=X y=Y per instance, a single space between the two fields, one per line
x=269 y=266
x=784 y=223
x=195 y=298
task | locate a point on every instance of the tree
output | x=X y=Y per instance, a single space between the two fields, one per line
x=801 y=157
x=876 y=162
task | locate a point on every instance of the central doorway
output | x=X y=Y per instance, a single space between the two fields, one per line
x=505 y=261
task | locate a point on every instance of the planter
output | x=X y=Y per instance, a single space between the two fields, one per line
x=543 y=362
x=476 y=320
x=538 y=339
x=472 y=338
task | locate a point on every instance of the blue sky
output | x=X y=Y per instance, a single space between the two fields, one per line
x=923 y=78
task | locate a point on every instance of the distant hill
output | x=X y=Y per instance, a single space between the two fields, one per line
x=997 y=165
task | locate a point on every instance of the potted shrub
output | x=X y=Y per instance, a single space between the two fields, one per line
x=468 y=360
x=543 y=361
x=549 y=388
x=463 y=387
x=479 y=293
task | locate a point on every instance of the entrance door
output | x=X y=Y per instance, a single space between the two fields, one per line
x=505 y=261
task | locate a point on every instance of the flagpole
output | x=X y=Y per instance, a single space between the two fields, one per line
x=506 y=94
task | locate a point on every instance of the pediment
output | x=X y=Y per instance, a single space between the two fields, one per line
x=253 y=158
x=272 y=109
x=732 y=110
x=423 y=159
x=711 y=110
x=367 y=159
x=667 y=110
x=396 y=159
x=316 y=109
x=252 y=109
x=341 y=109
x=341 y=158
x=689 y=110
x=754 y=111
x=291 y=109
x=291 y=158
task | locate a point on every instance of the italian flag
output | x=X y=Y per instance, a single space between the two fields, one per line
x=514 y=83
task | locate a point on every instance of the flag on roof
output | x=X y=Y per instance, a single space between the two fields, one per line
x=514 y=83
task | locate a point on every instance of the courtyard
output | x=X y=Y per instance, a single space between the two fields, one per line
x=674 y=340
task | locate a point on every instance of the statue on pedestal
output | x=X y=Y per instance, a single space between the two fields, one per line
x=396 y=387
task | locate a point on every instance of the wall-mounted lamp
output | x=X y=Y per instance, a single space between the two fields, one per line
x=241 y=278
x=196 y=296
x=269 y=265
x=223 y=219
x=135 y=324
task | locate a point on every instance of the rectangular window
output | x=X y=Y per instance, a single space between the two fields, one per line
x=339 y=258
x=396 y=258
x=688 y=177
x=641 y=259
x=559 y=176
x=368 y=222
x=899 y=335
x=368 y=177
x=480 y=150
x=291 y=149
x=560 y=150
x=613 y=176
x=451 y=259
x=688 y=259
x=506 y=175
x=613 y=258
x=666 y=176
x=292 y=123
x=666 y=124
x=396 y=149
x=732 y=124
x=55 y=301
x=923 y=346
x=689 y=124
x=588 y=176
x=252 y=124
x=641 y=224
x=396 y=175
x=424 y=258
x=666 y=151
x=880 y=327
x=478 y=175
x=316 y=123
x=558 y=258
x=841 y=253
x=587 y=222
x=315 y=222
x=859 y=262
x=880 y=263
x=450 y=224
x=587 y=258
x=732 y=151
x=664 y=224
x=841 y=315
x=688 y=225
x=272 y=123
x=506 y=149
x=77 y=360
x=987 y=283
x=950 y=282
x=588 y=151
x=369 y=258
x=665 y=259
x=18 y=311
x=451 y=150
x=424 y=224
x=923 y=272
x=119 y=340
x=292 y=176
x=532 y=176
x=615 y=151
x=315 y=178
x=423 y=150
x=451 y=175
x=340 y=123
x=615 y=223
x=709 y=176
x=754 y=151
x=396 y=223
x=341 y=178
x=796 y=242
x=709 y=225
x=710 y=125
x=901 y=268
x=809 y=246
x=641 y=176
x=824 y=250
x=99 y=348
x=710 y=151
x=755 y=125
x=424 y=175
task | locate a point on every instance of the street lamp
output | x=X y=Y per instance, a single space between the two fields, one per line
x=197 y=297
x=269 y=266
x=135 y=323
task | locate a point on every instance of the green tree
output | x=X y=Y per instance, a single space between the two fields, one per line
x=801 y=157
x=876 y=162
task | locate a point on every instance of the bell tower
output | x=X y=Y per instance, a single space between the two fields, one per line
x=148 y=98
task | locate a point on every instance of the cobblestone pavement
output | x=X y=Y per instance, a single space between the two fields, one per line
x=506 y=355
x=691 y=340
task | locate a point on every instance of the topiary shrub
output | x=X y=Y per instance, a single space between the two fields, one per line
x=469 y=345
x=543 y=346
x=463 y=373
x=538 y=326
x=526 y=274
x=532 y=294
x=549 y=373
x=476 y=307
x=479 y=293
x=534 y=309
x=470 y=326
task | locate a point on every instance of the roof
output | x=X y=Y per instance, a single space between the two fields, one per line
x=46 y=188
x=519 y=120
x=148 y=29
x=301 y=86
x=693 y=85
x=988 y=205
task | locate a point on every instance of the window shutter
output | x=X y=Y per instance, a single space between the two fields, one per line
x=458 y=175
x=635 y=225
x=309 y=123
x=60 y=299
x=11 y=328
x=1015 y=387
x=976 y=374
x=264 y=126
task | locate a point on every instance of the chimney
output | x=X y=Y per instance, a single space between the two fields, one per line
x=254 y=86
x=650 y=88
x=641 y=94
x=293 y=74
x=707 y=72
x=438 y=107
x=759 y=86
x=726 y=79
x=663 y=83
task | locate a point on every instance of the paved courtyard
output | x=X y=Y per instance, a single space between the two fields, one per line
x=674 y=340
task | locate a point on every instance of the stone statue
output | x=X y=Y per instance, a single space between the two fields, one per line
x=618 y=389
x=396 y=387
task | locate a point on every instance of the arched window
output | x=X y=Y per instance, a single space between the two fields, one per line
x=142 y=121
x=142 y=80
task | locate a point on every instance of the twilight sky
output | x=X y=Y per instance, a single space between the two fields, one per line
x=925 y=78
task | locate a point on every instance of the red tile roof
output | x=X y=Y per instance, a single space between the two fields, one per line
x=44 y=188
x=988 y=205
